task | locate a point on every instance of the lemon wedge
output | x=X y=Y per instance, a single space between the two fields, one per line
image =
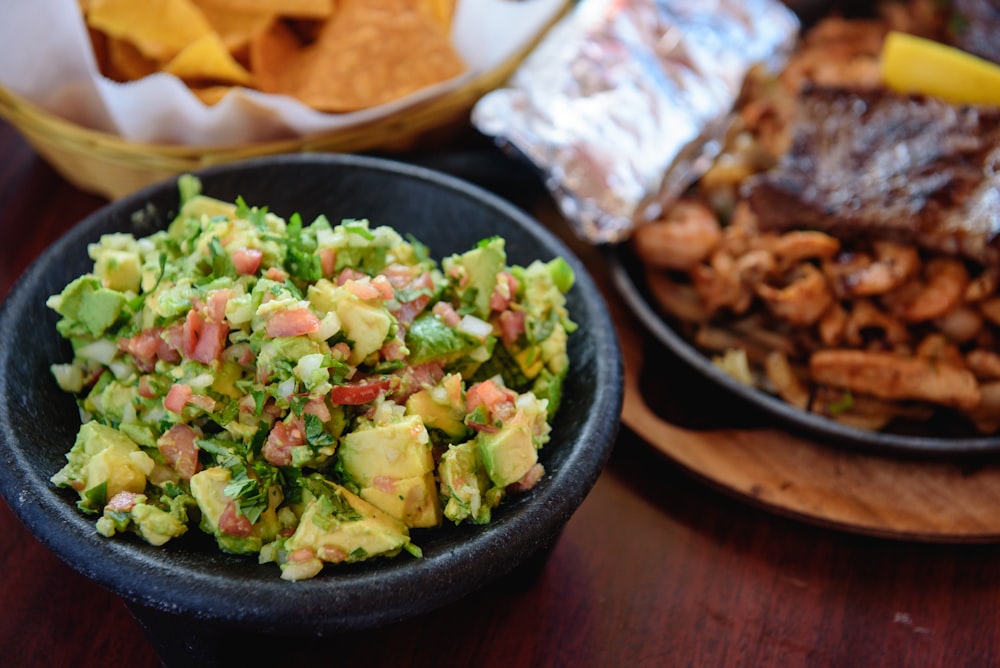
x=916 y=65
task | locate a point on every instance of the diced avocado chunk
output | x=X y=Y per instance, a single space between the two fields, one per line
x=103 y=456
x=508 y=454
x=366 y=325
x=119 y=269
x=465 y=486
x=393 y=467
x=274 y=353
x=208 y=487
x=87 y=307
x=441 y=407
x=197 y=205
x=338 y=526
x=477 y=270
x=154 y=524
x=413 y=500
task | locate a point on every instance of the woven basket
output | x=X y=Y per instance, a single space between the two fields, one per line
x=110 y=166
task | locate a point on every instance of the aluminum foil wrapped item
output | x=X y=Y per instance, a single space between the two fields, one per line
x=624 y=104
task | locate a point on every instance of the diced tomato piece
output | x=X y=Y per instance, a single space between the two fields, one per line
x=485 y=428
x=348 y=274
x=173 y=341
x=146 y=346
x=418 y=377
x=247 y=260
x=384 y=483
x=394 y=350
x=341 y=351
x=177 y=397
x=276 y=274
x=241 y=353
x=399 y=275
x=202 y=401
x=234 y=523
x=356 y=394
x=332 y=554
x=193 y=324
x=511 y=326
x=211 y=342
x=363 y=290
x=408 y=311
x=301 y=555
x=215 y=309
x=497 y=399
x=143 y=345
x=166 y=352
x=317 y=406
x=178 y=447
x=422 y=286
x=327 y=260
x=123 y=501
x=447 y=313
x=504 y=291
x=384 y=287
x=146 y=390
x=292 y=322
x=529 y=479
x=283 y=437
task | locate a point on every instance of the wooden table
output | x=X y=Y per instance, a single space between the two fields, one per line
x=656 y=568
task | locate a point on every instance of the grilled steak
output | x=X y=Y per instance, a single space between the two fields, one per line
x=869 y=163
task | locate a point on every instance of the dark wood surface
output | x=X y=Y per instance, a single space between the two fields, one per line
x=656 y=568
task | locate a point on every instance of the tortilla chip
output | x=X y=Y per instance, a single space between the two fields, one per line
x=207 y=59
x=158 y=28
x=370 y=52
x=99 y=45
x=317 y=9
x=271 y=54
x=211 y=94
x=125 y=62
x=333 y=55
x=235 y=27
x=440 y=12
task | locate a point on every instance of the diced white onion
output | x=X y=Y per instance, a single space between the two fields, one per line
x=120 y=369
x=473 y=326
x=328 y=326
x=101 y=350
x=286 y=387
x=307 y=367
x=201 y=381
x=69 y=377
x=128 y=412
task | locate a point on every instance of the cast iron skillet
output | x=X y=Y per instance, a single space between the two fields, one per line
x=921 y=441
x=190 y=576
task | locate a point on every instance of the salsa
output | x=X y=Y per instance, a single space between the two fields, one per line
x=305 y=392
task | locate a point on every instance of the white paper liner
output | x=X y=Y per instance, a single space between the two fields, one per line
x=46 y=58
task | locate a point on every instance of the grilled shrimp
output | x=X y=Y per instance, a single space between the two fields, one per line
x=688 y=235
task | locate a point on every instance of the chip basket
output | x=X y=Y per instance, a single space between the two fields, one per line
x=110 y=166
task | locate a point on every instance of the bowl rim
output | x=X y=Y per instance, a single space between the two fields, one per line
x=274 y=605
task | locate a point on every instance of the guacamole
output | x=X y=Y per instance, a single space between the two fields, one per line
x=305 y=392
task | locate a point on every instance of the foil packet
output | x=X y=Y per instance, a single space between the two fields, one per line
x=625 y=103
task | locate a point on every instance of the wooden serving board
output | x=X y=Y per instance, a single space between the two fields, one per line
x=825 y=484
x=820 y=483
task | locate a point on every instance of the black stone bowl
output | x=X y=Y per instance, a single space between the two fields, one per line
x=189 y=578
